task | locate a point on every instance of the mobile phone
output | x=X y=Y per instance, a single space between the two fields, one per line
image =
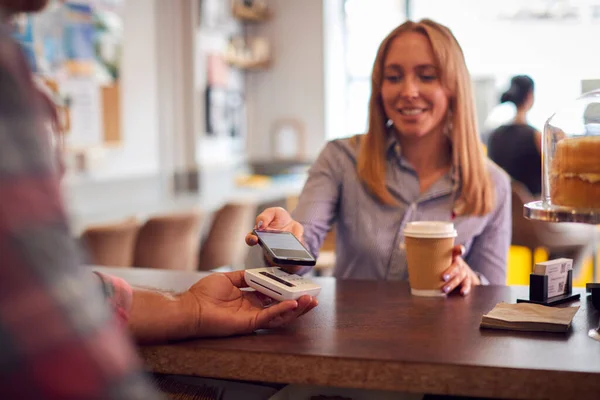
x=283 y=248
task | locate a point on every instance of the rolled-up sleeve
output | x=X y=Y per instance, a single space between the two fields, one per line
x=318 y=203
x=118 y=294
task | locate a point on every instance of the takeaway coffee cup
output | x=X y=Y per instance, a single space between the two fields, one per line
x=428 y=253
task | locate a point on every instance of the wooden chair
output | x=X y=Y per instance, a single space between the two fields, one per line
x=224 y=244
x=576 y=241
x=169 y=242
x=111 y=245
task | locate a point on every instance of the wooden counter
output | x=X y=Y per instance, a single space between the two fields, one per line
x=375 y=335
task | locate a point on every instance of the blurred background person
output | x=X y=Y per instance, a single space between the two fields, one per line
x=516 y=146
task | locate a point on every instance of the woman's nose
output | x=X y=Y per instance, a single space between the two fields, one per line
x=409 y=88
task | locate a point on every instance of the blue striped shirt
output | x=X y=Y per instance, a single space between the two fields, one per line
x=369 y=239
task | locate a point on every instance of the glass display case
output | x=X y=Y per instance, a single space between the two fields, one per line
x=571 y=164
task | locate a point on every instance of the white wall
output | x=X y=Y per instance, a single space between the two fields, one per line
x=335 y=76
x=210 y=150
x=294 y=85
x=157 y=106
x=139 y=95
x=557 y=55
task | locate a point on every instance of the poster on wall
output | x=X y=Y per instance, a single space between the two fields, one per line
x=79 y=37
x=80 y=87
x=83 y=94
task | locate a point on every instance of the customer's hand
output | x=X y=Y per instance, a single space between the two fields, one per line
x=459 y=275
x=277 y=218
x=224 y=310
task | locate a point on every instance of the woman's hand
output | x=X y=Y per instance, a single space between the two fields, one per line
x=459 y=275
x=277 y=218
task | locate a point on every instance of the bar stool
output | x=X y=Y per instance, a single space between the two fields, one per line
x=111 y=245
x=169 y=242
x=224 y=244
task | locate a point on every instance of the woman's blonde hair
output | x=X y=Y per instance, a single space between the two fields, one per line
x=476 y=193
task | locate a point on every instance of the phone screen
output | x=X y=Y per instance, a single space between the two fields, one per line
x=284 y=245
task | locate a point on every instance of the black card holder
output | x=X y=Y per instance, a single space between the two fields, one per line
x=594 y=290
x=538 y=291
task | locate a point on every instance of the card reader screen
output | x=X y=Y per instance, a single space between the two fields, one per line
x=284 y=245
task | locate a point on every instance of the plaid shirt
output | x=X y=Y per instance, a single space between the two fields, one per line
x=58 y=337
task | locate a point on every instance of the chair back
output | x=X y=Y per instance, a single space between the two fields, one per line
x=523 y=230
x=111 y=245
x=169 y=242
x=224 y=244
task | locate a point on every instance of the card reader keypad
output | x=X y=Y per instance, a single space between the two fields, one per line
x=278 y=279
x=285 y=278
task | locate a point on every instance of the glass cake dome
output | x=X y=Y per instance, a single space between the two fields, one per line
x=571 y=164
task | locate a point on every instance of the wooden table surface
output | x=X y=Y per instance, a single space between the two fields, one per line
x=375 y=335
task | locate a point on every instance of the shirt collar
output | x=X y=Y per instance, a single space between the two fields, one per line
x=392 y=146
x=393 y=151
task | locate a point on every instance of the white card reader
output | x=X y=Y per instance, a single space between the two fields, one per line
x=279 y=285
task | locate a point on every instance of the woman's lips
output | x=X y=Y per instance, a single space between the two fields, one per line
x=411 y=114
x=411 y=111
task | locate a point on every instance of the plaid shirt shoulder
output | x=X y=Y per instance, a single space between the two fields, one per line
x=58 y=338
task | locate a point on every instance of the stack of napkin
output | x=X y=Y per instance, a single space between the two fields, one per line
x=529 y=317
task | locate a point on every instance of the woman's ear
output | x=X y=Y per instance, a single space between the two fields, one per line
x=530 y=99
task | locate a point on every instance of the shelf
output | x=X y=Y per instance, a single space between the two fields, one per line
x=250 y=14
x=537 y=210
x=249 y=65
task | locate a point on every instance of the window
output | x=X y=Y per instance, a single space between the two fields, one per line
x=366 y=23
x=499 y=39
x=551 y=41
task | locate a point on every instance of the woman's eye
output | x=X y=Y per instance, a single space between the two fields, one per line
x=392 y=78
x=428 y=78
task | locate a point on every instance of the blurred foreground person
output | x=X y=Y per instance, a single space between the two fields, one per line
x=58 y=337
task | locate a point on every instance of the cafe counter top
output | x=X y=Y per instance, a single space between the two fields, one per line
x=375 y=335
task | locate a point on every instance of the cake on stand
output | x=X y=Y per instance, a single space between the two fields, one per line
x=571 y=169
x=571 y=164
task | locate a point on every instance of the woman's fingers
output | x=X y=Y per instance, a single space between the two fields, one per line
x=466 y=285
x=458 y=275
x=251 y=239
x=298 y=231
x=453 y=271
x=273 y=218
x=458 y=251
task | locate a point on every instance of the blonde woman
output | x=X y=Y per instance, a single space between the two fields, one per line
x=421 y=159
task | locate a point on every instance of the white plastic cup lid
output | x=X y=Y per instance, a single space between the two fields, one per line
x=430 y=229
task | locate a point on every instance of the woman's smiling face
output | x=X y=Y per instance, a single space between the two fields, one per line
x=412 y=93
